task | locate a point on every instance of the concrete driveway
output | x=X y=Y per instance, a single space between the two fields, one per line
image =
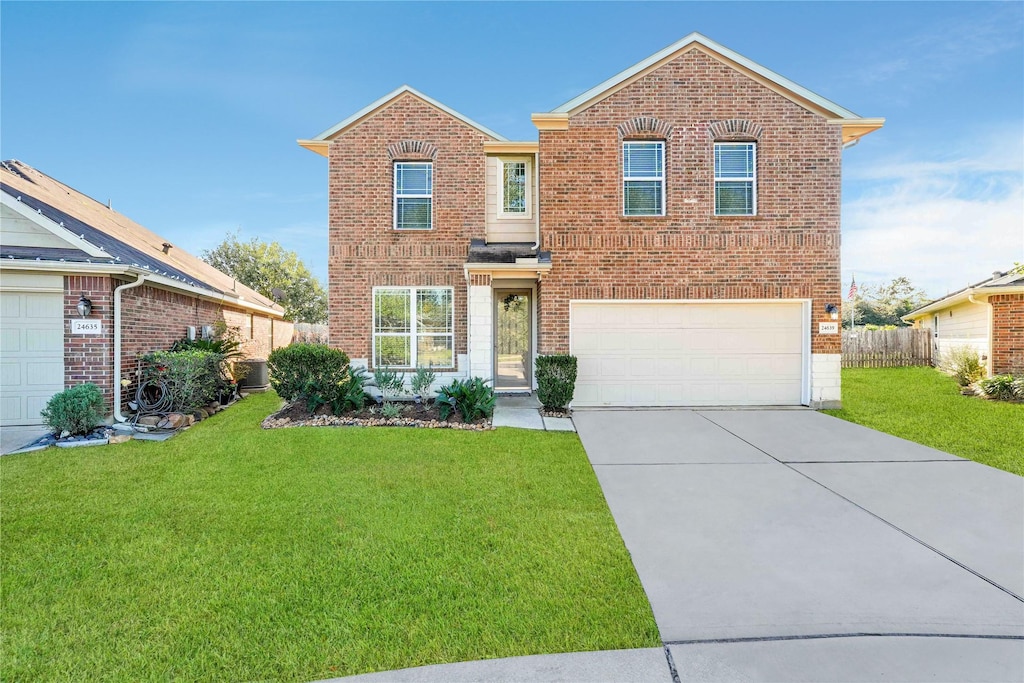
x=790 y=545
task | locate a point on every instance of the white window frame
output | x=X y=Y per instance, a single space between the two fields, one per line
x=660 y=179
x=396 y=196
x=413 y=332
x=500 y=181
x=752 y=179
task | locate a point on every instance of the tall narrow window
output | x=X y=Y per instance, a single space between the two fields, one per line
x=513 y=187
x=643 y=178
x=735 y=178
x=414 y=195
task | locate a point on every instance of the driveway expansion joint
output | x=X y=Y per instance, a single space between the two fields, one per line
x=671 y=664
x=768 y=639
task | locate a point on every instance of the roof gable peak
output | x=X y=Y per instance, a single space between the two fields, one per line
x=379 y=104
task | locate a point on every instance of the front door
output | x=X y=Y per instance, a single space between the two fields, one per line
x=513 y=360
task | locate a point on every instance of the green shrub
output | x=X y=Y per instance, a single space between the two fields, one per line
x=1003 y=387
x=390 y=382
x=964 y=364
x=76 y=410
x=314 y=373
x=193 y=378
x=392 y=410
x=556 y=380
x=422 y=380
x=353 y=396
x=472 y=397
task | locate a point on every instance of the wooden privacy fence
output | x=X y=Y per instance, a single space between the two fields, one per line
x=309 y=333
x=887 y=348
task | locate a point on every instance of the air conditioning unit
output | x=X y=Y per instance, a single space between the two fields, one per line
x=258 y=379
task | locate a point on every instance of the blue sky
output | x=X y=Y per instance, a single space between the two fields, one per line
x=185 y=115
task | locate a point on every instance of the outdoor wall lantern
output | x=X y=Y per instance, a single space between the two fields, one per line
x=84 y=306
x=832 y=310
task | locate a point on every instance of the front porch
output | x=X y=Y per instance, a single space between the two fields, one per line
x=523 y=411
x=504 y=286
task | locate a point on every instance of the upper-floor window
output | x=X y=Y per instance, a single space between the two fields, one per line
x=643 y=178
x=414 y=195
x=735 y=178
x=514 y=185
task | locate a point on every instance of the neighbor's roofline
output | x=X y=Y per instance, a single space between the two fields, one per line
x=584 y=100
x=378 y=104
x=978 y=291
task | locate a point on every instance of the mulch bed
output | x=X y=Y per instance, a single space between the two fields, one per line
x=556 y=412
x=423 y=416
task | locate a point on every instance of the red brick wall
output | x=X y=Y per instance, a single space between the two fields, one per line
x=90 y=358
x=152 y=319
x=789 y=250
x=1007 y=333
x=365 y=250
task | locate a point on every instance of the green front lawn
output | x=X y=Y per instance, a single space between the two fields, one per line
x=232 y=553
x=925 y=405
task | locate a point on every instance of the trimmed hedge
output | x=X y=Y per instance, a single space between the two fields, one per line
x=76 y=410
x=556 y=380
x=314 y=373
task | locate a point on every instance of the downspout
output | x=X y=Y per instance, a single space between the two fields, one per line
x=117 y=343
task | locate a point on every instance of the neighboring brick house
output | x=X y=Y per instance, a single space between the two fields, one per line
x=58 y=246
x=988 y=316
x=676 y=228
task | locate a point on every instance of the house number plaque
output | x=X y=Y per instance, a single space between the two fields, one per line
x=828 y=328
x=85 y=326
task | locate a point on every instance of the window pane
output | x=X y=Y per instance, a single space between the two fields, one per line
x=414 y=178
x=514 y=185
x=734 y=160
x=412 y=214
x=642 y=198
x=734 y=199
x=392 y=351
x=392 y=311
x=642 y=159
x=434 y=350
x=434 y=310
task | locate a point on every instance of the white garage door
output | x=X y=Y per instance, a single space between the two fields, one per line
x=31 y=354
x=688 y=354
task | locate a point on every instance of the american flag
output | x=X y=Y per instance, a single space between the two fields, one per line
x=853 y=288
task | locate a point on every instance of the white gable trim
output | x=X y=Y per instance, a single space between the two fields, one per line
x=59 y=231
x=379 y=104
x=581 y=102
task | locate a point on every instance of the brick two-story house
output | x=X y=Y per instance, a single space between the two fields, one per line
x=675 y=227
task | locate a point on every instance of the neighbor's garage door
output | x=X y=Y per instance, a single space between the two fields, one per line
x=31 y=354
x=687 y=354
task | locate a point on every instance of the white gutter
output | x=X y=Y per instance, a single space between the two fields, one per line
x=117 y=343
x=74 y=268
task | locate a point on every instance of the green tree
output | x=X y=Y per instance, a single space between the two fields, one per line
x=887 y=304
x=274 y=272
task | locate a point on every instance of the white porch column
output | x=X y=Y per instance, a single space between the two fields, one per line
x=480 y=327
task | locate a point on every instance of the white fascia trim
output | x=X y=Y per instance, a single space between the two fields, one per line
x=373 y=106
x=51 y=226
x=966 y=296
x=571 y=105
x=75 y=268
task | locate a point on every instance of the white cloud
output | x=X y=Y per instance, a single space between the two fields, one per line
x=942 y=223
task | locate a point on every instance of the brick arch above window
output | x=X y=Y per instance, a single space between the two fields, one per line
x=737 y=130
x=409 y=150
x=644 y=127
